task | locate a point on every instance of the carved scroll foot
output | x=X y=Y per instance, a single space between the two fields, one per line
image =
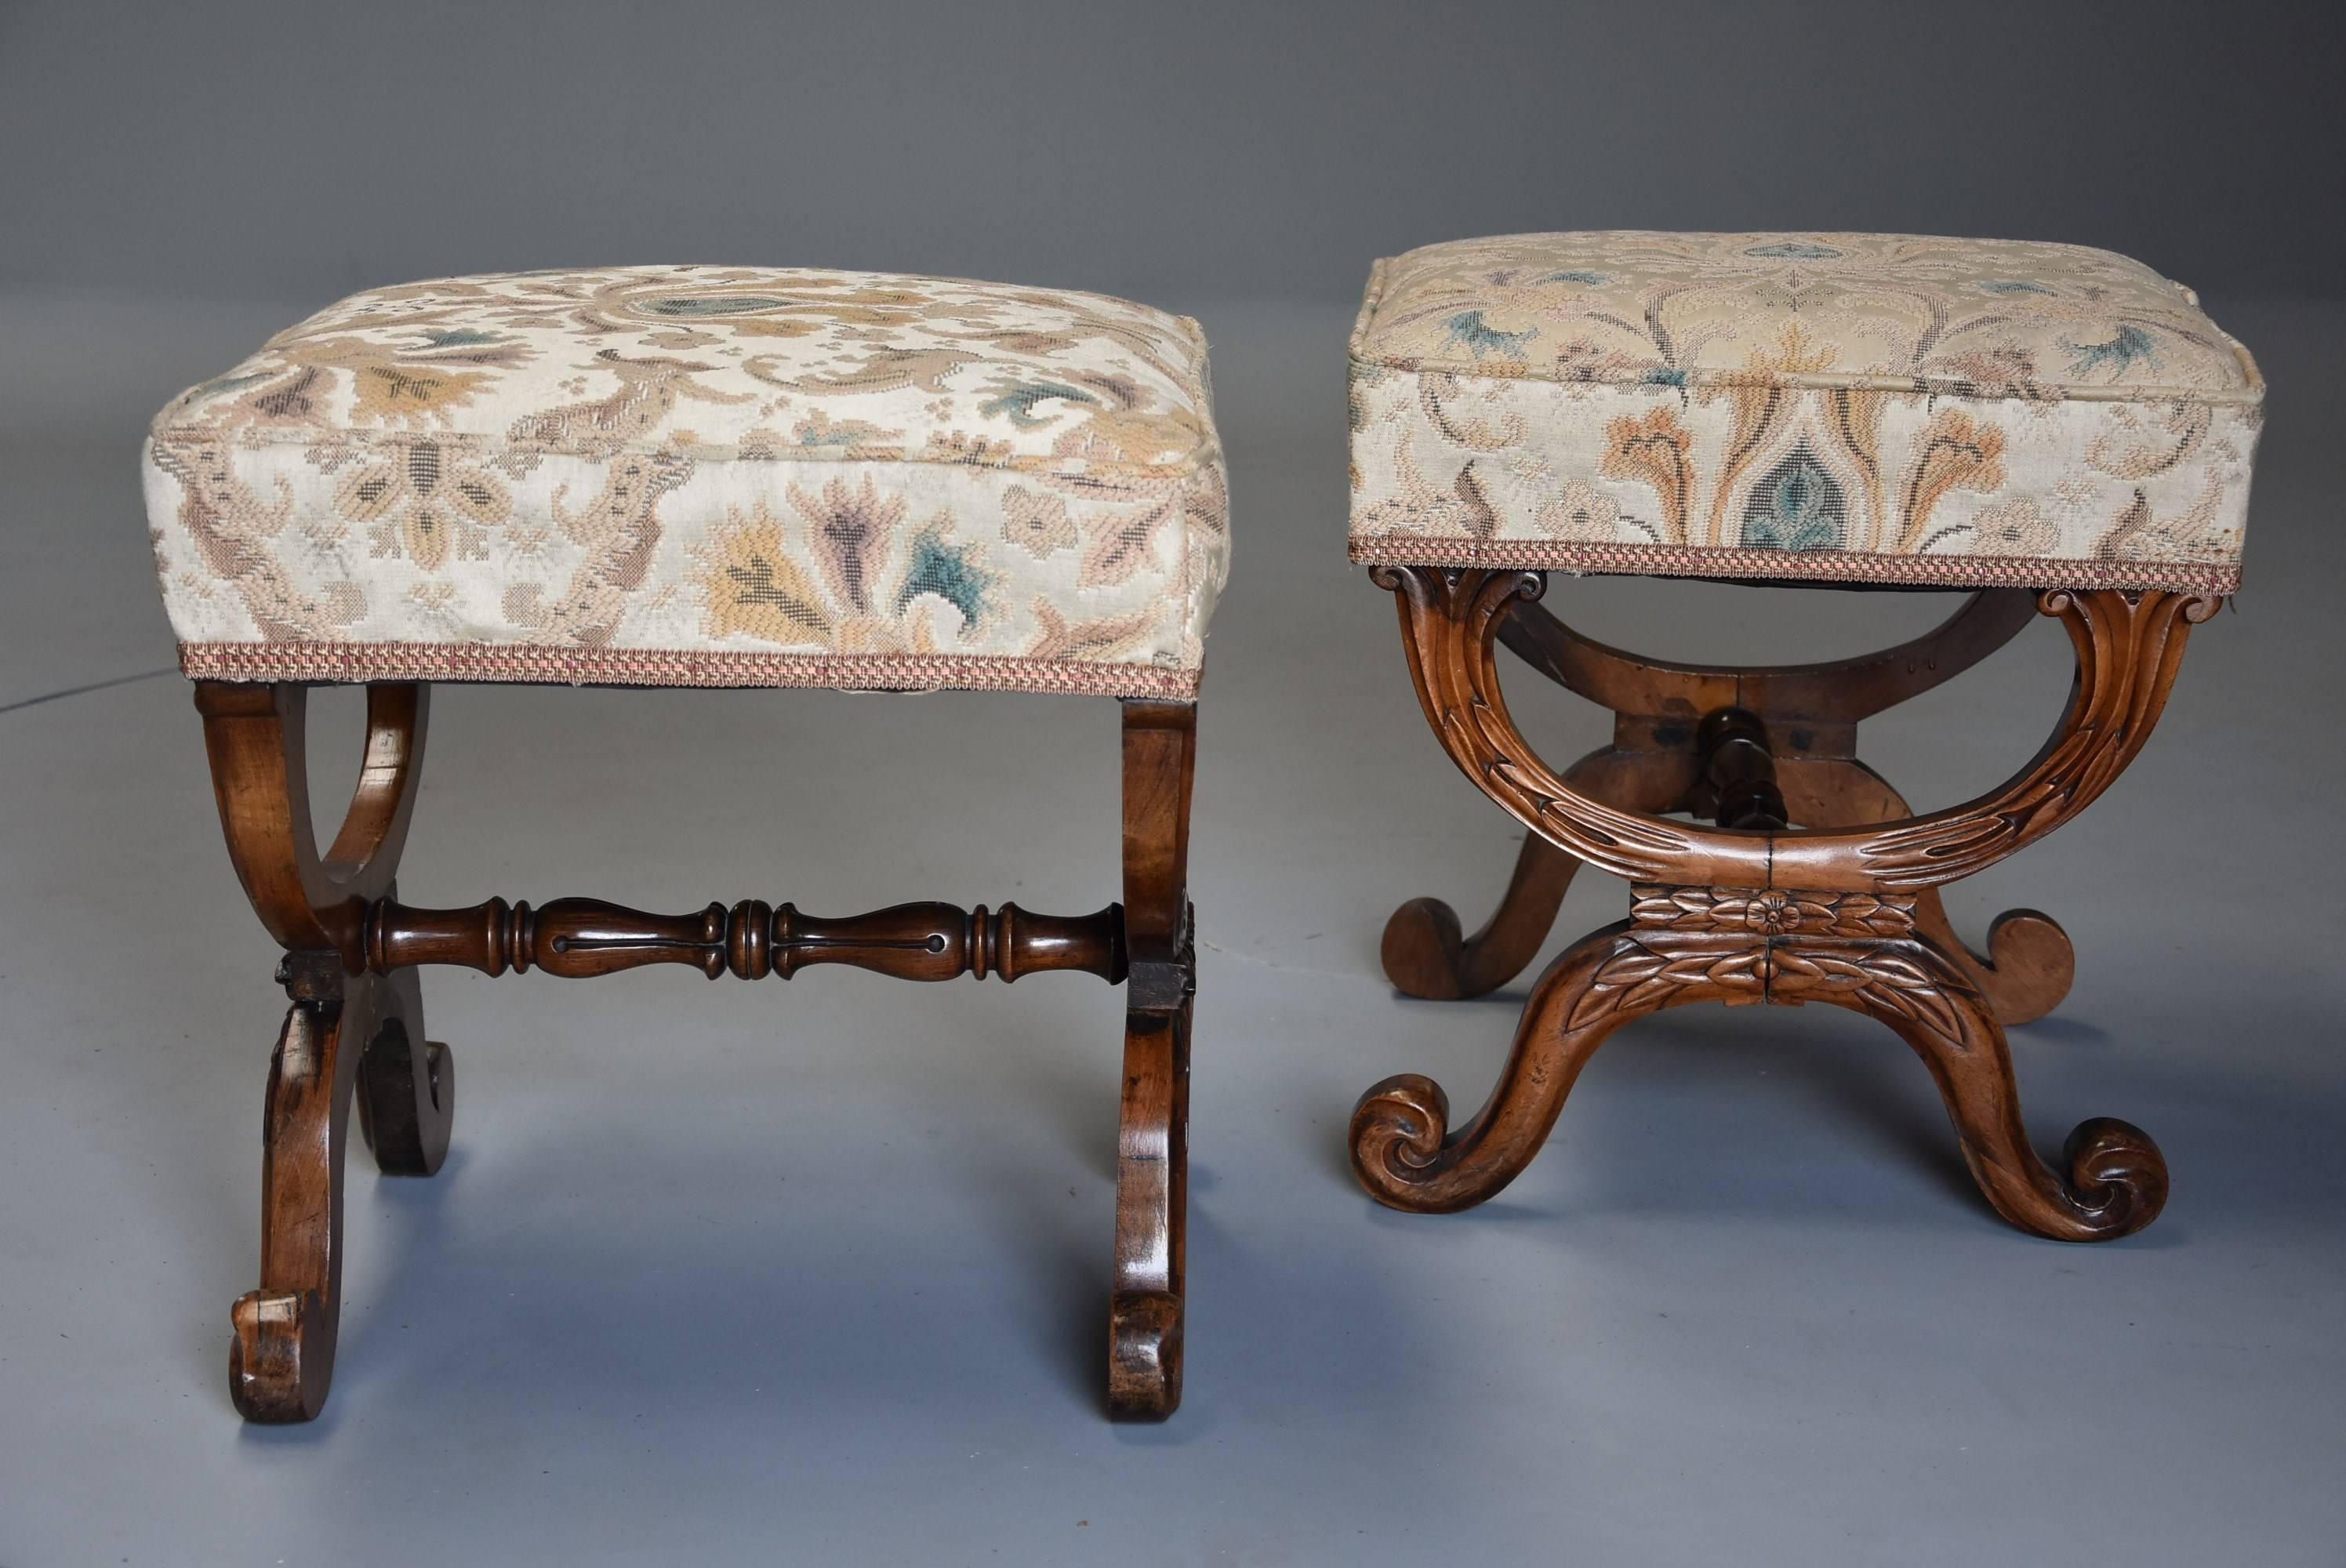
x=2116 y=1181
x=364 y=1044
x=1425 y=954
x=407 y=1085
x=1152 y=1197
x=2029 y=965
x=1403 y=1148
x=282 y=1358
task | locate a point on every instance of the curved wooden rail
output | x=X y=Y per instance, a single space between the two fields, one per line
x=1831 y=691
x=2126 y=647
x=257 y=737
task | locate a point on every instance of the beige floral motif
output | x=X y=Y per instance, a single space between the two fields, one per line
x=1037 y=522
x=620 y=530
x=1653 y=449
x=1955 y=450
x=2016 y=528
x=2200 y=532
x=425 y=499
x=231 y=529
x=2135 y=443
x=1118 y=543
x=1800 y=405
x=754 y=587
x=703 y=475
x=1096 y=638
x=1581 y=512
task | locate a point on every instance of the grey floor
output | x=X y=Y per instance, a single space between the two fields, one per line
x=814 y=1273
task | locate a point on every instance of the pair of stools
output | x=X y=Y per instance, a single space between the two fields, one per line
x=777 y=477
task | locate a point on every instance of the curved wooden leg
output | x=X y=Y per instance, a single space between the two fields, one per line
x=2116 y=1180
x=347 y=1031
x=1403 y=1149
x=1152 y=1197
x=2029 y=963
x=407 y=1084
x=282 y=1358
x=1152 y=1167
x=1424 y=954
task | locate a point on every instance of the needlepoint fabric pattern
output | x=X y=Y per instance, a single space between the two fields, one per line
x=701 y=476
x=1865 y=408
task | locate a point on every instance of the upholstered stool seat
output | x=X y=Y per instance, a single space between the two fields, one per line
x=701 y=476
x=683 y=476
x=2058 y=428
x=1833 y=407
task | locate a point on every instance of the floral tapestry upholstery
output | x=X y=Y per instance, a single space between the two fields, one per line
x=701 y=476
x=1833 y=407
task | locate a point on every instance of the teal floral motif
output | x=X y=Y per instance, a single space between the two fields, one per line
x=1811 y=405
x=714 y=304
x=458 y=338
x=1797 y=506
x=2118 y=354
x=1469 y=330
x=1020 y=401
x=220 y=384
x=946 y=571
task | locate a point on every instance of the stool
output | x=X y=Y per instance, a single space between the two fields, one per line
x=681 y=476
x=2058 y=429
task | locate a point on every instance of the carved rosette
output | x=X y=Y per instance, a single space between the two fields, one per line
x=1771 y=911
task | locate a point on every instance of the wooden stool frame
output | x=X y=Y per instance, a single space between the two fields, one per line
x=355 y=1032
x=1842 y=907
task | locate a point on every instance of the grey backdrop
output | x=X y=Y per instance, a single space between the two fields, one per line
x=814 y=1273
x=1177 y=152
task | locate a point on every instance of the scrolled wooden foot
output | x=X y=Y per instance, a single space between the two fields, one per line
x=1144 y=1375
x=281 y=1360
x=1399 y=1125
x=2029 y=965
x=407 y=1085
x=1152 y=1200
x=2115 y=1182
x=1403 y=1150
x=1426 y=952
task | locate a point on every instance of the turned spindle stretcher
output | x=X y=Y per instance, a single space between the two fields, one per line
x=355 y=1032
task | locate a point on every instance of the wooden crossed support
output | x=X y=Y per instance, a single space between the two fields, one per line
x=1813 y=880
x=354 y=1033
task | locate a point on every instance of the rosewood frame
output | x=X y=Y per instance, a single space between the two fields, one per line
x=355 y=1032
x=1842 y=907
